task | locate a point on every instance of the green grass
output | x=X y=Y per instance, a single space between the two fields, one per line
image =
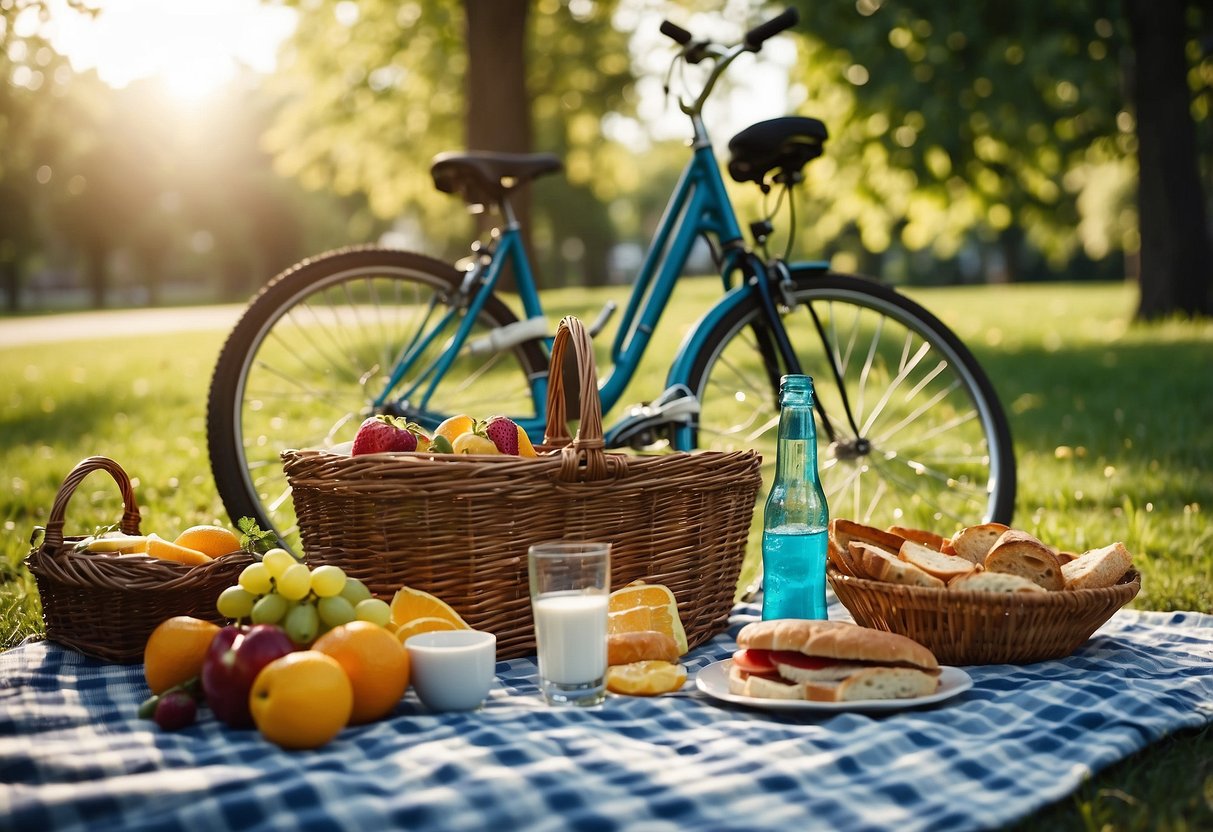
x=1110 y=421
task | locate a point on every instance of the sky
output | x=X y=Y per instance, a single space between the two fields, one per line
x=196 y=46
x=193 y=46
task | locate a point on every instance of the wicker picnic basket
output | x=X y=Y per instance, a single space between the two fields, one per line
x=983 y=627
x=106 y=606
x=459 y=527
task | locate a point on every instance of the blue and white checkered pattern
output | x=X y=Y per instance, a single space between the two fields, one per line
x=73 y=754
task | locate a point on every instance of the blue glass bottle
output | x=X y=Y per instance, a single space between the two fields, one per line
x=796 y=515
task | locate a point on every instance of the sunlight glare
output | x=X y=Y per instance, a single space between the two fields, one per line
x=193 y=46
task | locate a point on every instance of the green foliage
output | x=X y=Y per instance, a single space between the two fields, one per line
x=370 y=97
x=972 y=119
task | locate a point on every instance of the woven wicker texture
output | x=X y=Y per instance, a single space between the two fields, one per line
x=984 y=627
x=106 y=606
x=459 y=526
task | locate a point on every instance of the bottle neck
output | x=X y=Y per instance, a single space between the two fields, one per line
x=796 y=453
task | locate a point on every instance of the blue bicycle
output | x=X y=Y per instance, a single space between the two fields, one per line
x=910 y=429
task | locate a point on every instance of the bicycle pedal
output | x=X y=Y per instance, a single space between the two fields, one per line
x=647 y=426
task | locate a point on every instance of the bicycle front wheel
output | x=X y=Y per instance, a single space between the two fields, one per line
x=314 y=355
x=920 y=438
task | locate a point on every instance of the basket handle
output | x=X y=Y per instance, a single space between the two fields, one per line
x=587 y=446
x=53 y=537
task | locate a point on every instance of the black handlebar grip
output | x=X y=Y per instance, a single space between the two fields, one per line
x=763 y=31
x=675 y=33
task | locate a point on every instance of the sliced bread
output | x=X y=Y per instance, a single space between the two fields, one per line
x=1098 y=568
x=974 y=542
x=984 y=581
x=844 y=532
x=944 y=567
x=926 y=538
x=840 y=559
x=1019 y=553
x=883 y=566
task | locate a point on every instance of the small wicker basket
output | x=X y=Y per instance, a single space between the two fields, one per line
x=459 y=527
x=106 y=606
x=985 y=627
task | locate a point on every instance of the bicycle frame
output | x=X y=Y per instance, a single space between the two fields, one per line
x=698 y=206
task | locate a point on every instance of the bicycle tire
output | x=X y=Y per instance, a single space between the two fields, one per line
x=941 y=449
x=302 y=365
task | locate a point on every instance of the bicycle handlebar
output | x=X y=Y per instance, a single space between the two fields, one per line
x=675 y=33
x=764 y=31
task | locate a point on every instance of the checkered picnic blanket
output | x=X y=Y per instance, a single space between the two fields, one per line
x=73 y=754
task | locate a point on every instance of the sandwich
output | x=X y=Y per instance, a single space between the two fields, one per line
x=829 y=661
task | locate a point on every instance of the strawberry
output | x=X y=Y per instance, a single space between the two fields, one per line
x=504 y=433
x=383 y=434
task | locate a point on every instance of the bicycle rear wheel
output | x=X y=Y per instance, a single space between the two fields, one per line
x=315 y=350
x=927 y=443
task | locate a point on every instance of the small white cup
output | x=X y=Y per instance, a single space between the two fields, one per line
x=452 y=670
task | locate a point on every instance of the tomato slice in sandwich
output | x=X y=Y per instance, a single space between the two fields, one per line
x=763 y=661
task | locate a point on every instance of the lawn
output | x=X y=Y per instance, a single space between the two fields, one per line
x=1111 y=423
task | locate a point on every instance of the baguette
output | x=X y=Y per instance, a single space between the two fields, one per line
x=1098 y=568
x=882 y=566
x=984 y=581
x=973 y=543
x=944 y=567
x=1019 y=553
x=926 y=538
x=845 y=532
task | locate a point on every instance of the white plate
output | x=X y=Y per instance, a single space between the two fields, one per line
x=714 y=681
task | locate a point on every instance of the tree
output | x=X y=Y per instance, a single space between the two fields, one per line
x=373 y=94
x=986 y=118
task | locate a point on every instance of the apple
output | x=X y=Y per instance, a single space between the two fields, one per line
x=235 y=657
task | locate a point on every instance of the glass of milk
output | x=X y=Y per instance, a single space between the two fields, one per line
x=570 y=583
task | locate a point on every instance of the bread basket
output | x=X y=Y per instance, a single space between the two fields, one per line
x=966 y=627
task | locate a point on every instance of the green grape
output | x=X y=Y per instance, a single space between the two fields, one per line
x=328 y=581
x=295 y=582
x=235 y=602
x=302 y=623
x=278 y=561
x=256 y=579
x=355 y=591
x=335 y=611
x=374 y=611
x=269 y=609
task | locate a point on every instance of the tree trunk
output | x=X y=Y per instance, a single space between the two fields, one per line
x=10 y=278
x=499 y=110
x=96 y=265
x=1176 y=265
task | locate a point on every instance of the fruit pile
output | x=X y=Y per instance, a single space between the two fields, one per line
x=459 y=434
x=645 y=638
x=194 y=546
x=308 y=652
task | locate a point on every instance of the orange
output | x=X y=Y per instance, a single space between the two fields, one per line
x=158 y=547
x=375 y=662
x=427 y=624
x=301 y=700
x=648 y=678
x=640 y=606
x=453 y=427
x=525 y=448
x=408 y=604
x=209 y=540
x=175 y=650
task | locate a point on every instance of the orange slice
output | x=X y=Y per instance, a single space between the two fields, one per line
x=409 y=604
x=428 y=624
x=209 y=540
x=639 y=606
x=525 y=448
x=648 y=678
x=158 y=547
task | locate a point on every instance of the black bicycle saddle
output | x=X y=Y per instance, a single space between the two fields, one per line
x=784 y=145
x=481 y=177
